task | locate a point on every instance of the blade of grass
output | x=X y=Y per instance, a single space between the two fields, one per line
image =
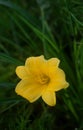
x=8 y=59
x=13 y=44
x=3 y=48
x=38 y=33
x=13 y=6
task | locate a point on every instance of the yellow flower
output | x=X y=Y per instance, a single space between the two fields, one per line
x=40 y=78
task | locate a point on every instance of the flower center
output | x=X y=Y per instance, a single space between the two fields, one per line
x=44 y=79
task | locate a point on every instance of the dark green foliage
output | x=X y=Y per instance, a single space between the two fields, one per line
x=54 y=29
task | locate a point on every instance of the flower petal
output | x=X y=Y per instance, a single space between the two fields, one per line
x=34 y=64
x=21 y=72
x=29 y=90
x=53 y=62
x=58 y=81
x=51 y=65
x=49 y=98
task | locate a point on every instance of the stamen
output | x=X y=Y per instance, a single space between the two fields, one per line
x=44 y=79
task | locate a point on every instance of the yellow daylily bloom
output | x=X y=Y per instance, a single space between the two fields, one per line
x=40 y=78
